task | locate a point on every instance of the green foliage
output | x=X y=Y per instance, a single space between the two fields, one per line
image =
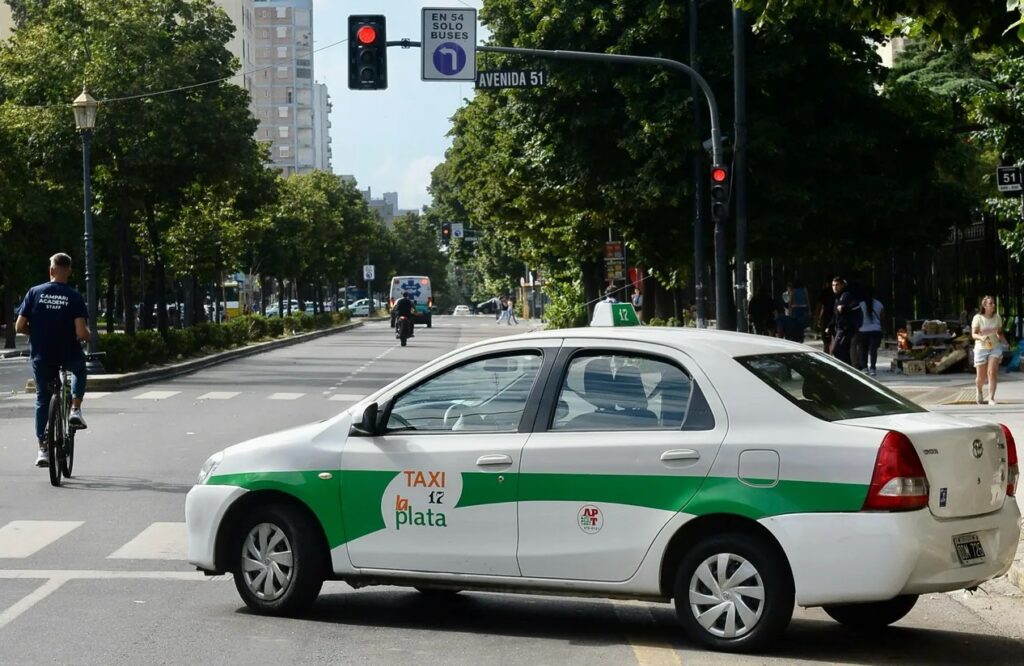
x=148 y=348
x=566 y=309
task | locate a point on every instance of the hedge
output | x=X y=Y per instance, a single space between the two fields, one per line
x=125 y=353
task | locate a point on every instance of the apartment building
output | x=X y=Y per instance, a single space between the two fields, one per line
x=321 y=127
x=241 y=45
x=6 y=22
x=283 y=83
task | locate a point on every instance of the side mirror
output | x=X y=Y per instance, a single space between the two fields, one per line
x=368 y=425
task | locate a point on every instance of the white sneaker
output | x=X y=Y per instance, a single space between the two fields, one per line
x=992 y=402
x=42 y=459
x=76 y=420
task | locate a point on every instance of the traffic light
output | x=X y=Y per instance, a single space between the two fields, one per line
x=719 y=193
x=367 y=52
x=446 y=232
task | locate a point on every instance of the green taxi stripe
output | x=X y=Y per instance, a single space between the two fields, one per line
x=361 y=493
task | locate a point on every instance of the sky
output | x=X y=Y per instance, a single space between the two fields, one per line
x=390 y=140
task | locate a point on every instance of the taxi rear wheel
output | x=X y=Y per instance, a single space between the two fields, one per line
x=279 y=566
x=874 y=615
x=734 y=593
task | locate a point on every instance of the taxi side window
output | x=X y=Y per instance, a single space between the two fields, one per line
x=484 y=395
x=629 y=392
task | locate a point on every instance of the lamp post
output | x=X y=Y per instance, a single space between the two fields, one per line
x=85 y=108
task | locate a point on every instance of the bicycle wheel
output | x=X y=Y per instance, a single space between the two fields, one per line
x=54 y=440
x=67 y=462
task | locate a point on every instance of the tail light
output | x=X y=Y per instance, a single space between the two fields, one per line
x=1013 y=467
x=898 y=482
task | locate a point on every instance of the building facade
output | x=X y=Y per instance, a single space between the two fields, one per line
x=321 y=127
x=6 y=22
x=241 y=45
x=283 y=82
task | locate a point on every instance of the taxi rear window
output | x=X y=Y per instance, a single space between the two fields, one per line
x=824 y=387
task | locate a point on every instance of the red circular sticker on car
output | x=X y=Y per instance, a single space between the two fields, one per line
x=590 y=519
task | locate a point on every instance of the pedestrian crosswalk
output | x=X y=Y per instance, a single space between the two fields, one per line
x=160 y=396
x=22 y=539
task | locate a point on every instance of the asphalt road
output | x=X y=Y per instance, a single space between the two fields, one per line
x=94 y=572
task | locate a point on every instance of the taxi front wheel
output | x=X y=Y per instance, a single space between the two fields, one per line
x=279 y=568
x=734 y=593
x=873 y=615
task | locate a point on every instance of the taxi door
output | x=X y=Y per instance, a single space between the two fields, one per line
x=437 y=490
x=625 y=436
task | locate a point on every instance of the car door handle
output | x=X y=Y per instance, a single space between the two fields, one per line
x=494 y=459
x=680 y=454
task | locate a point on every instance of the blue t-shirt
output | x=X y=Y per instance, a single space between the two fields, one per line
x=51 y=309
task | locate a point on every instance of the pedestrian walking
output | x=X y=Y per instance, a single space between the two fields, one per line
x=823 y=318
x=503 y=312
x=512 y=311
x=870 y=331
x=987 y=331
x=845 y=320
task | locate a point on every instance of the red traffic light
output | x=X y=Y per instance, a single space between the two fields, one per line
x=366 y=34
x=719 y=174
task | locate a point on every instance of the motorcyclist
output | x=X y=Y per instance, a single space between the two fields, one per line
x=404 y=306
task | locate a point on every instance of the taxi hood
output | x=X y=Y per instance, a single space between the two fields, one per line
x=315 y=446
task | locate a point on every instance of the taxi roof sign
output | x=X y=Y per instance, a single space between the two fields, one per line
x=614 y=314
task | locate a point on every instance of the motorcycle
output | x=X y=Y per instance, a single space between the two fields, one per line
x=403 y=328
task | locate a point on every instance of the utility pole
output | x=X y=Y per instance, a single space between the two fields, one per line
x=739 y=171
x=699 y=183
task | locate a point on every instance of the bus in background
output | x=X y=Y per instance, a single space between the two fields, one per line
x=236 y=297
x=418 y=287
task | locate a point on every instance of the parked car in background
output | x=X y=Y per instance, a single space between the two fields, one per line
x=461 y=311
x=361 y=308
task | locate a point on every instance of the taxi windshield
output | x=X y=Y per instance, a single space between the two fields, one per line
x=824 y=387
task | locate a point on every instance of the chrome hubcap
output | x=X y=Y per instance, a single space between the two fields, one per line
x=727 y=595
x=267 y=563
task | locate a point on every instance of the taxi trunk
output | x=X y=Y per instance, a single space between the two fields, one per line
x=965 y=461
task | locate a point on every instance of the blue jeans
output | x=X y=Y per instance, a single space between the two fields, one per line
x=45 y=371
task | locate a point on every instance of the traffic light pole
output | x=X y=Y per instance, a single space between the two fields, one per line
x=613 y=58
x=700 y=187
x=739 y=171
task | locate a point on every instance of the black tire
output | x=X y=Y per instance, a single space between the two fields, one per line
x=304 y=577
x=67 y=463
x=54 y=436
x=873 y=615
x=770 y=578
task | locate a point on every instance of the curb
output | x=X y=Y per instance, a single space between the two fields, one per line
x=13 y=353
x=130 y=379
x=1016 y=573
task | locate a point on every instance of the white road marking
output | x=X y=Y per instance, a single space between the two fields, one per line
x=159 y=541
x=219 y=395
x=285 y=396
x=96 y=395
x=27 y=602
x=347 y=397
x=22 y=538
x=156 y=395
x=86 y=574
x=24 y=396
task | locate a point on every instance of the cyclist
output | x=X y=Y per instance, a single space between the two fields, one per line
x=54 y=317
x=404 y=306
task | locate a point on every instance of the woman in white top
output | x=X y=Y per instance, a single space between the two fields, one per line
x=987 y=331
x=870 y=330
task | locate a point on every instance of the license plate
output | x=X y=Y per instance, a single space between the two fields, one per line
x=968 y=549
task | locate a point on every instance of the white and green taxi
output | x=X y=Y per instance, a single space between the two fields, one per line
x=734 y=474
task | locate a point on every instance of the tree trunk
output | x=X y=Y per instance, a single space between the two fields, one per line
x=7 y=302
x=111 y=295
x=125 y=251
x=159 y=270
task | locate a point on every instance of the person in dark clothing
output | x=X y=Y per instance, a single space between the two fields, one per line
x=845 y=321
x=55 y=318
x=826 y=306
x=761 y=312
x=404 y=307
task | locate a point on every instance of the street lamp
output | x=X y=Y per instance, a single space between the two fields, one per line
x=85 y=107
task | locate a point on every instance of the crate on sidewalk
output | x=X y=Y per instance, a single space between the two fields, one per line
x=914 y=367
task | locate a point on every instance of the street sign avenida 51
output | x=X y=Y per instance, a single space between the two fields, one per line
x=1008 y=179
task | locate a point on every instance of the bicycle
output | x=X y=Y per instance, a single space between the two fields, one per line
x=60 y=435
